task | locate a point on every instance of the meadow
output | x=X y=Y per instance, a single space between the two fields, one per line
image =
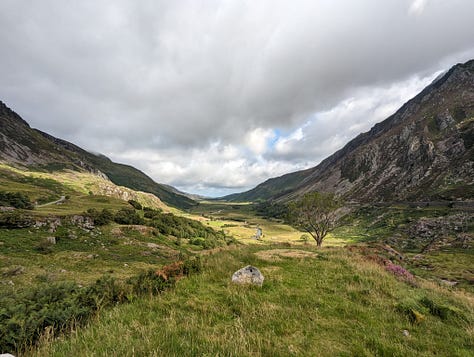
x=330 y=302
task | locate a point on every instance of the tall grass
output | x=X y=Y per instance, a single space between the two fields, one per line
x=336 y=304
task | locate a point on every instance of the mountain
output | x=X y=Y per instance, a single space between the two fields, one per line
x=20 y=145
x=422 y=152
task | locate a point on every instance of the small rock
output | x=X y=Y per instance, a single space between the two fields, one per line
x=6 y=355
x=406 y=333
x=51 y=240
x=152 y=245
x=248 y=275
x=125 y=265
x=449 y=282
x=62 y=270
x=14 y=271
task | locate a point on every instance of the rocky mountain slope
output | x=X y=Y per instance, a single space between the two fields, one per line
x=422 y=152
x=22 y=146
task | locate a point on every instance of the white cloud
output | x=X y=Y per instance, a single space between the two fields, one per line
x=417 y=6
x=327 y=131
x=257 y=140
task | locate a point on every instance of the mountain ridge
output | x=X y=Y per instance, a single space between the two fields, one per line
x=438 y=113
x=21 y=145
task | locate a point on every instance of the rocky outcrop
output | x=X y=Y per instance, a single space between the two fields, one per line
x=52 y=223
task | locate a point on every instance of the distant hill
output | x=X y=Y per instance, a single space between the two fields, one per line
x=20 y=145
x=422 y=152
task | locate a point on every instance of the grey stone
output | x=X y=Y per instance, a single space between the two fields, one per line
x=449 y=282
x=51 y=240
x=248 y=275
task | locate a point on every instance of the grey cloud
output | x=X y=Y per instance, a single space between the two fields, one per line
x=116 y=76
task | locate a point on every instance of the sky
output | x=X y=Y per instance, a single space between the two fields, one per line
x=215 y=97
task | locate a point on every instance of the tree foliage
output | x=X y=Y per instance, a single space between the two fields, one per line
x=15 y=199
x=315 y=213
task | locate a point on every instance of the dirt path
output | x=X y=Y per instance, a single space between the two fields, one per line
x=62 y=199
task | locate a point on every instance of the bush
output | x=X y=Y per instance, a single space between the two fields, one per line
x=44 y=247
x=305 y=238
x=148 y=283
x=180 y=227
x=15 y=199
x=151 y=213
x=101 y=218
x=135 y=204
x=26 y=314
x=128 y=216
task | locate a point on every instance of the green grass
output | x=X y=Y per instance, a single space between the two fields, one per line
x=448 y=264
x=336 y=304
x=119 y=251
x=77 y=185
x=78 y=204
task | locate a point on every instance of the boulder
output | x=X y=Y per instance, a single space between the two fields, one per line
x=248 y=275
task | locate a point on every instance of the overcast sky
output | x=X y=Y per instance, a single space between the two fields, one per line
x=214 y=97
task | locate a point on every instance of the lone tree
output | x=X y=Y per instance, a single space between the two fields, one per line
x=315 y=213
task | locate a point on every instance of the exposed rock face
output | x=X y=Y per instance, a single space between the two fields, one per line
x=248 y=275
x=83 y=222
x=434 y=233
x=422 y=152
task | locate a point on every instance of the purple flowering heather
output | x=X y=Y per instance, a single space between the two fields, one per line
x=399 y=271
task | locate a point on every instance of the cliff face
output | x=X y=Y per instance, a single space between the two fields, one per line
x=422 y=152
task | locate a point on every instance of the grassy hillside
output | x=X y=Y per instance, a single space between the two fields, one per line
x=22 y=146
x=81 y=252
x=271 y=189
x=332 y=302
x=119 y=174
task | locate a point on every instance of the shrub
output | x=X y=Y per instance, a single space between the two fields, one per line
x=15 y=199
x=148 y=282
x=151 y=213
x=169 y=224
x=305 y=238
x=100 y=218
x=400 y=271
x=128 y=216
x=44 y=247
x=26 y=314
x=135 y=204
